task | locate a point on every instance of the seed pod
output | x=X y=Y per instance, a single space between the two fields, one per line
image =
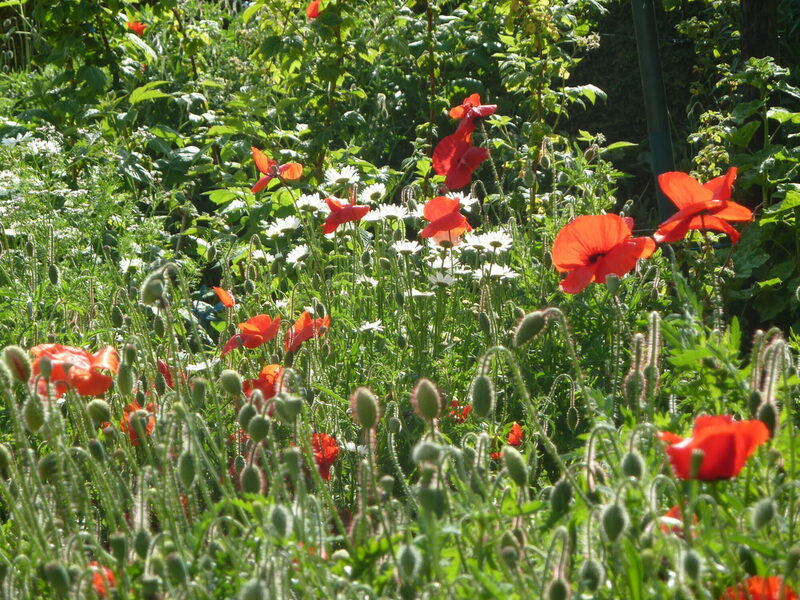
x=561 y=496
x=246 y=413
x=187 y=468
x=763 y=513
x=141 y=543
x=258 y=428
x=633 y=465
x=281 y=520
x=528 y=328
x=99 y=411
x=409 y=563
x=97 y=450
x=18 y=363
x=612 y=283
x=231 y=382
x=692 y=565
x=515 y=465
x=33 y=413
x=176 y=568
x=364 y=408
x=483 y=397
x=510 y=556
x=55 y=573
x=426 y=399
x=118 y=543
x=592 y=574
x=251 y=479
x=558 y=589
x=615 y=521
x=573 y=418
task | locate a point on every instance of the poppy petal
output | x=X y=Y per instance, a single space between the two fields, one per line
x=224 y=297
x=578 y=279
x=447 y=153
x=106 y=358
x=231 y=344
x=263 y=162
x=586 y=237
x=682 y=189
x=734 y=212
x=261 y=184
x=721 y=186
x=439 y=207
x=291 y=170
x=622 y=259
x=449 y=222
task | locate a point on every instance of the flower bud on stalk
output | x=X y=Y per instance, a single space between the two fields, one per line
x=483 y=396
x=426 y=399
x=18 y=363
x=529 y=327
x=364 y=408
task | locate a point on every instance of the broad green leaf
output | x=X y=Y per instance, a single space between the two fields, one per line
x=147 y=92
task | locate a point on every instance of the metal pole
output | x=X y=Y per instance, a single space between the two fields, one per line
x=655 y=104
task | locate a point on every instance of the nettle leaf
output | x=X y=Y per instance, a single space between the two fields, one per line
x=148 y=92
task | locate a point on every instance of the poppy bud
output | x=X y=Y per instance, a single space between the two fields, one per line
x=483 y=398
x=573 y=418
x=510 y=556
x=409 y=563
x=692 y=565
x=6 y=459
x=558 y=589
x=385 y=263
x=258 y=428
x=399 y=298
x=426 y=399
x=18 y=363
x=152 y=289
x=293 y=460
x=612 y=283
x=402 y=341
x=125 y=377
x=249 y=286
x=33 y=413
x=763 y=512
x=288 y=407
x=281 y=520
x=747 y=560
x=591 y=574
x=55 y=573
x=99 y=411
x=364 y=408
x=386 y=483
x=544 y=161
x=515 y=465
x=52 y=273
x=528 y=328
x=634 y=387
x=518 y=313
x=246 y=413
x=768 y=414
x=615 y=521
x=254 y=590
x=251 y=479
x=792 y=560
x=161 y=384
x=560 y=496
x=118 y=543
x=159 y=327
x=176 y=568
x=187 y=468
x=231 y=382
x=432 y=499
x=141 y=543
x=484 y=323
x=129 y=353
x=47 y=466
x=394 y=426
x=199 y=391
x=633 y=465
x=97 y=450
x=426 y=451
x=754 y=401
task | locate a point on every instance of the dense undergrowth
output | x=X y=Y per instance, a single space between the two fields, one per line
x=205 y=395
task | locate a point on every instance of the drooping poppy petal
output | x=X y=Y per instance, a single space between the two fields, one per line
x=683 y=190
x=304 y=329
x=721 y=186
x=291 y=170
x=342 y=213
x=515 y=435
x=312 y=10
x=760 y=588
x=457 y=159
x=267 y=382
x=102 y=579
x=446 y=222
x=137 y=28
x=440 y=206
x=455 y=223
x=326 y=451
x=270 y=170
x=224 y=297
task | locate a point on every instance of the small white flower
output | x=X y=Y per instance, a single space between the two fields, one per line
x=44 y=147
x=312 y=203
x=298 y=254
x=370 y=281
x=346 y=176
x=442 y=278
x=475 y=241
x=415 y=293
x=283 y=226
x=386 y=212
x=373 y=194
x=467 y=201
x=499 y=241
x=126 y=264
x=493 y=271
x=406 y=248
x=372 y=326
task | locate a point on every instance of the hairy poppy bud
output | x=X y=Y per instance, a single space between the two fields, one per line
x=288 y=407
x=754 y=401
x=231 y=382
x=161 y=384
x=528 y=328
x=281 y=520
x=18 y=363
x=747 y=560
x=426 y=399
x=129 y=353
x=187 y=468
x=246 y=413
x=792 y=560
x=152 y=289
x=692 y=565
x=47 y=466
x=55 y=573
x=364 y=407
x=612 y=283
x=386 y=483
x=394 y=425
x=615 y=521
x=97 y=450
x=591 y=574
x=99 y=411
x=426 y=451
x=52 y=273
x=409 y=563
x=125 y=378
x=176 y=568
x=558 y=589
x=293 y=460
x=141 y=543
x=560 y=496
x=510 y=556
x=33 y=413
x=763 y=512
x=518 y=313
x=515 y=465
x=6 y=459
x=118 y=543
x=633 y=465
x=159 y=327
x=258 y=428
x=199 y=387
x=768 y=414
x=484 y=323
x=483 y=397
x=251 y=479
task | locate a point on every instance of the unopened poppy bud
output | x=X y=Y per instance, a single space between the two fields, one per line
x=792 y=560
x=518 y=313
x=426 y=399
x=281 y=520
x=692 y=565
x=293 y=460
x=52 y=273
x=161 y=384
x=402 y=341
x=696 y=462
x=125 y=377
x=141 y=543
x=118 y=543
x=483 y=397
x=97 y=450
x=385 y=263
x=615 y=521
x=99 y=411
x=6 y=460
x=768 y=414
x=254 y=590
x=47 y=467
x=199 y=387
x=591 y=574
x=386 y=483
x=364 y=408
x=231 y=382
x=634 y=387
x=515 y=465
x=633 y=465
x=394 y=425
x=159 y=327
x=152 y=289
x=528 y=328
x=409 y=563
x=426 y=451
x=573 y=418
x=246 y=413
x=251 y=479
x=484 y=323
x=258 y=428
x=187 y=468
x=176 y=568
x=45 y=367
x=544 y=161
x=18 y=363
x=561 y=496
x=747 y=560
x=510 y=556
x=249 y=286
x=55 y=573
x=558 y=589
x=763 y=512
x=399 y=298
x=612 y=283
x=129 y=353
x=33 y=413
x=754 y=401
x=288 y=407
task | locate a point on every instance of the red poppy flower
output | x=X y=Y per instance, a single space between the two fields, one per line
x=225 y=297
x=304 y=329
x=270 y=169
x=515 y=435
x=166 y=372
x=254 y=332
x=75 y=367
x=312 y=10
x=457 y=158
x=593 y=246
x=704 y=206
x=468 y=111
x=127 y=427
x=672 y=521
x=760 y=588
x=459 y=413
x=100 y=577
x=442 y=212
x=725 y=443
x=342 y=213
x=267 y=382
x=326 y=451
x=137 y=28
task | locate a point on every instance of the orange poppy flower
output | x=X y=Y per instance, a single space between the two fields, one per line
x=75 y=367
x=312 y=10
x=270 y=170
x=514 y=439
x=100 y=577
x=672 y=521
x=469 y=110
x=267 y=382
x=225 y=297
x=442 y=212
x=760 y=588
x=254 y=332
x=699 y=206
x=456 y=158
x=726 y=445
x=593 y=246
x=326 y=451
x=459 y=413
x=137 y=28
x=127 y=427
x=304 y=329
x=342 y=213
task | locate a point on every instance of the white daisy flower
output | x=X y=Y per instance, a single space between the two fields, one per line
x=298 y=254
x=415 y=293
x=312 y=203
x=468 y=202
x=372 y=326
x=441 y=278
x=346 y=176
x=407 y=248
x=475 y=241
x=373 y=194
x=494 y=271
x=371 y=281
x=386 y=212
x=498 y=241
x=283 y=226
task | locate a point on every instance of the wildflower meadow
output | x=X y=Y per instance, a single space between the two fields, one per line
x=408 y=299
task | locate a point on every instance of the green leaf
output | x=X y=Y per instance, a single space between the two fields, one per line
x=741 y=136
x=142 y=45
x=782 y=115
x=617 y=146
x=148 y=92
